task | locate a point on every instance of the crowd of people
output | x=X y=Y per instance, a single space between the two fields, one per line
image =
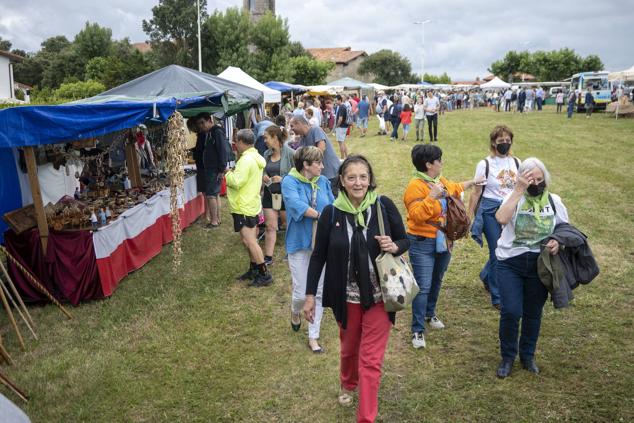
x=329 y=207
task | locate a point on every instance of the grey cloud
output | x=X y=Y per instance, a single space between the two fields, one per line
x=463 y=39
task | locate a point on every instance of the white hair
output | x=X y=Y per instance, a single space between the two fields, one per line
x=534 y=162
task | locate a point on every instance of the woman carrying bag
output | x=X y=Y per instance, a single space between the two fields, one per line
x=348 y=241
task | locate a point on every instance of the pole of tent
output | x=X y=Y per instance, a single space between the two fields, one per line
x=42 y=225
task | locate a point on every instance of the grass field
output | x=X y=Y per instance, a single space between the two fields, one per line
x=199 y=346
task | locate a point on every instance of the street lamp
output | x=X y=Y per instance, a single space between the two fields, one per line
x=200 y=55
x=422 y=57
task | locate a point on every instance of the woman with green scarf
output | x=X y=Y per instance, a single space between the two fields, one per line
x=347 y=243
x=528 y=216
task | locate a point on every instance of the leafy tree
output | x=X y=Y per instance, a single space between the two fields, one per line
x=296 y=49
x=19 y=52
x=30 y=70
x=5 y=45
x=225 y=41
x=437 y=79
x=592 y=63
x=388 y=67
x=308 y=71
x=512 y=63
x=79 y=90
x=173 y=31
x=270 y=38
x=55 y=44
x=66 y=66
x=93 y=41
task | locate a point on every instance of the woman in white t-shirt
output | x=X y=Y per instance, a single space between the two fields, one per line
x=528 y=216
x=500 y=173
x=419 y=118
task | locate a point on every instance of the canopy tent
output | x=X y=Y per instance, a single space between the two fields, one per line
x=624 y=75
x=349 y=84
x=424 y=83
x=286 y=88
x=408 y=86
x=241 y=77
x=495 y=84
x=194 y=92
x=324 y=90
x=378 y=87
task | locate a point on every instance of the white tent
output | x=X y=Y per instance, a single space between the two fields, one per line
x=378 y=87
x=495 y=84
x=241 y=77
x=625 y=75
x=325 y=89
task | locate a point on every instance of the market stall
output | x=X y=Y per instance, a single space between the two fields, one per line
x=127 y=201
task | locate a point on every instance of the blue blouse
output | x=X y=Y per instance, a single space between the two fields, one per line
x=297 y=197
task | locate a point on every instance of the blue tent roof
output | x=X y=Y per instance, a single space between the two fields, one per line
x=285 y=87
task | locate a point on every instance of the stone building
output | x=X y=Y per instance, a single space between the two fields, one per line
x=346 y=60
x=257 y=8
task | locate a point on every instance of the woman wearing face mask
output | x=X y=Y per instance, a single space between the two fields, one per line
x=348 y=243
x=500 y=172
x=528 y=216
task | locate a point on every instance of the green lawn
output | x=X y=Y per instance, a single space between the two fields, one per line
x=199 y=346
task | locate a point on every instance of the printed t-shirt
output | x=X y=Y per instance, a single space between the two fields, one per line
x=502 y=176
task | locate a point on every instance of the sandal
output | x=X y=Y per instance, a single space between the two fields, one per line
x=345 y=397
x=316 y=349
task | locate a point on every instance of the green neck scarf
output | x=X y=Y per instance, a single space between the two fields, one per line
x=535 y=203
x=313 y=182
x=426 y=177
x=342 y=202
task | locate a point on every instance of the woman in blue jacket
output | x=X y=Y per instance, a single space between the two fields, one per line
x=305 y=194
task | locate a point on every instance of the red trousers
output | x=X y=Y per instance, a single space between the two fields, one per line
x=363 y=345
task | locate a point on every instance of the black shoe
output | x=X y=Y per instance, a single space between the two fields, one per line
x=262 y=280
x=504 y=369
x=249 y=275
x=529 y=364
x=294 y=325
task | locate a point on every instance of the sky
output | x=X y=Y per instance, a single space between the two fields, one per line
x=462 y=37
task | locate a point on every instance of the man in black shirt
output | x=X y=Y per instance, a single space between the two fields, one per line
x=215 y=153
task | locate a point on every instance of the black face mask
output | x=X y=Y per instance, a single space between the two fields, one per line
x=536 y=190
x=503 y=149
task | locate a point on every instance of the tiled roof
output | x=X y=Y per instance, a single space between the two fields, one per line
x=142 y=47
x=11 y=56
x=338 y=54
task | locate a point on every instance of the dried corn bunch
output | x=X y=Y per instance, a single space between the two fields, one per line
x=175 y=160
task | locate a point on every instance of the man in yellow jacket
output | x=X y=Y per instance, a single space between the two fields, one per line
x=243 y=193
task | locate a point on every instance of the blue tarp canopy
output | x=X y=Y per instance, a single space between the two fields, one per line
x=285 y=87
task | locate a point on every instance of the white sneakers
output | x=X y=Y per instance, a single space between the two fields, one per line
x=435 y=323
x=418 y=340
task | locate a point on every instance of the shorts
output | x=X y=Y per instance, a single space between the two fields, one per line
x=340 y=134
x=406 y=126
x=212 y=184
x=240 y=221
x=267 y=200
x=363 y=123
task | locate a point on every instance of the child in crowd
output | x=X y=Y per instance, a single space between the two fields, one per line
x=406 y=120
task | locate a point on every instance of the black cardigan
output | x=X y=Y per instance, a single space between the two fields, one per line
x=332 y=249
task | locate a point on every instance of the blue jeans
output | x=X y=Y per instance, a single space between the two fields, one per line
x=571 y=109
x=492 y=230
x=395 y=125
x=429 y=268
x=523 y=296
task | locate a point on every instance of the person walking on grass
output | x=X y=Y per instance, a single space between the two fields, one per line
x=499 y=171
x=431 y=106
x=395 y=117
x=243 y=193
x=341 y=119
x=364 y=115
x=559 y=100
x=430 y=251
x=589 y=103
x=572 y=100
x=419 y=118
x=347 y=243
x=528 y=216
x=406 y=120
x=279 y=161
x=306 y=193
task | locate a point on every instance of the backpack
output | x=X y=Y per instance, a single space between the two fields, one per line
x=457 y=221
x=349 y=114
x=486 y=166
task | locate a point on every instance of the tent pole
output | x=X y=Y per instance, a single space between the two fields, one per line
x=42 y=225
x=132 y=162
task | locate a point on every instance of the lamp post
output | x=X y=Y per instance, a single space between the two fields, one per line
x=422 y=57
x=200 y=55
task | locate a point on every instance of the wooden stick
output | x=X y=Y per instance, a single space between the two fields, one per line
x=7 y=307
x=15 y=305
x=4 y=354
x=35 y=282
x=15 y=292
x=13 y=387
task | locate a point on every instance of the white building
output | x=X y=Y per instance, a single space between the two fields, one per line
x=7 y=85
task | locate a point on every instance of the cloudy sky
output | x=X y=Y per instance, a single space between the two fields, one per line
x=462 y=38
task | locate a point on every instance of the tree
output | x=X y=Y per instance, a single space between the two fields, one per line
x=388 y=67
x=173 y=31
x=19 y=52
x=592 y=63
x=79 y=90
x=55 y=44
x=434 y=79
x=225 y=40
x=308 y=71
x=271 y=40
x=5 y=45
x=93 y=41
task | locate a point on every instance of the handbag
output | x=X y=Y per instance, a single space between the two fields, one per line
x=398 y=285
x=276 y=200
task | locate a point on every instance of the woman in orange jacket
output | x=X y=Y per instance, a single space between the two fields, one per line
x=429 y=251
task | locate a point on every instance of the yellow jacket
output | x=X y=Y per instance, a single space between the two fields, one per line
x=244 y=183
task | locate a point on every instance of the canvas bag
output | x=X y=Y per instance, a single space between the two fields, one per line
x=398 y=285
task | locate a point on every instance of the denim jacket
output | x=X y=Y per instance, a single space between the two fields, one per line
x=487 y=205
